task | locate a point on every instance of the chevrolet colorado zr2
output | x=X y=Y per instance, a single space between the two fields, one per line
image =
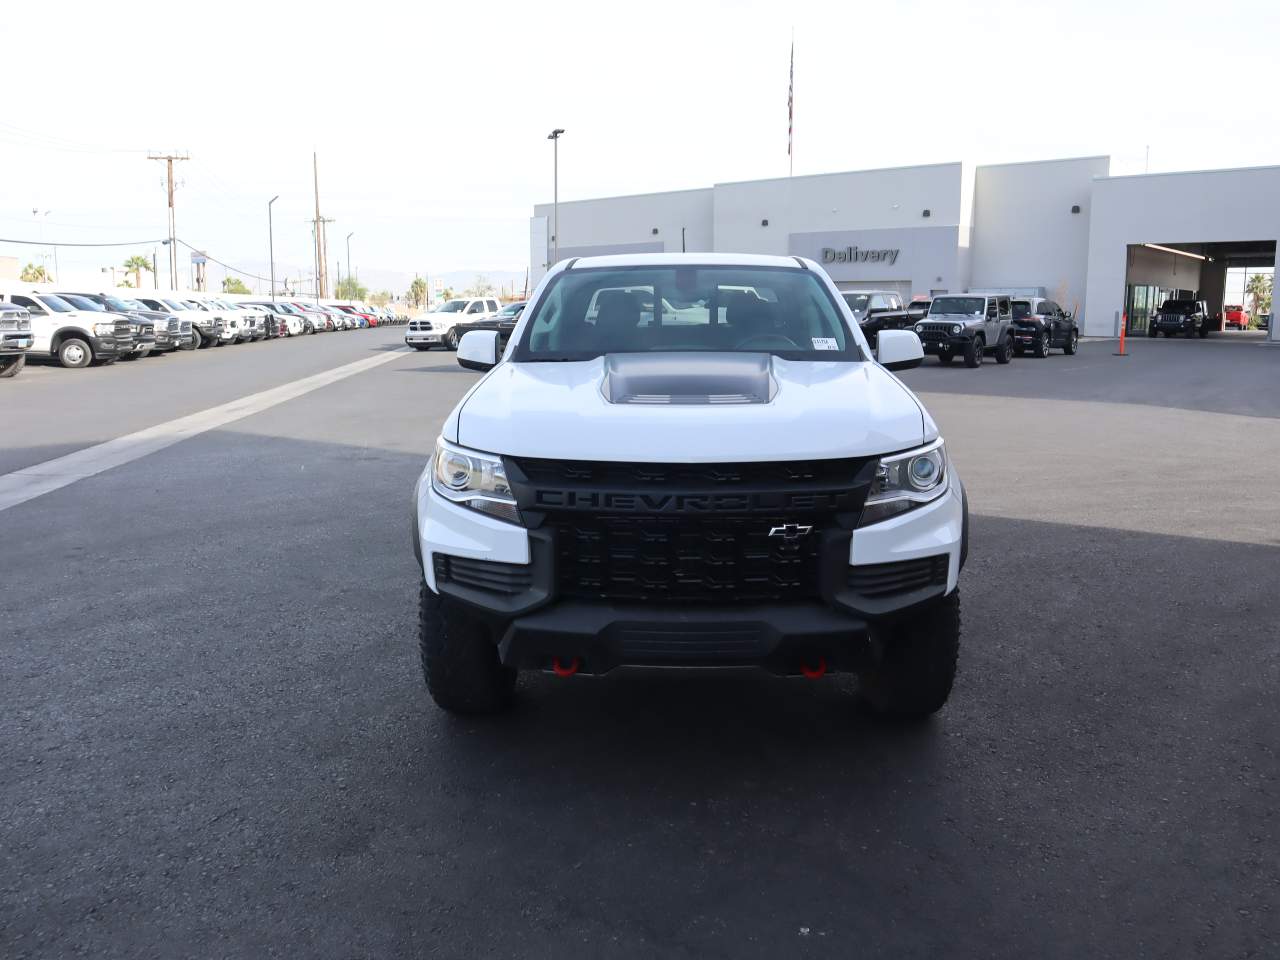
x=689 y=460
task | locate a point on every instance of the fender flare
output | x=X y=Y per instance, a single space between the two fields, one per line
x=964 y=527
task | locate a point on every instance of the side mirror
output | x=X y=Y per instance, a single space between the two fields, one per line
x=899 y=350
x=478 y=350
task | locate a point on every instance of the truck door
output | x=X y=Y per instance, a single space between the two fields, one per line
x=991 y=325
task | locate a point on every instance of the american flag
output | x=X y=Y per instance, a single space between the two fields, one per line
x=791 y=90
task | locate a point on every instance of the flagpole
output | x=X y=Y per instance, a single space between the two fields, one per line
x=791 y=91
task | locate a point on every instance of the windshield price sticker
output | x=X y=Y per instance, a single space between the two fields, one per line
x=824 y=343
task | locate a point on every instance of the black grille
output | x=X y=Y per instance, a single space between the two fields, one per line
x=780 y=475
x=888 y=579
x=722 y=560
x=932 y=332
x=504 y=578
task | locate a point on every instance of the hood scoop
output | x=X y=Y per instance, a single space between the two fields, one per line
x=688 y=378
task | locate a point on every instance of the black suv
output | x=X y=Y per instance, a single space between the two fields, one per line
x=1039 y=324
x=1187 y=317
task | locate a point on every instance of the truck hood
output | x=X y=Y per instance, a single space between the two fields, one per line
x=816 y=410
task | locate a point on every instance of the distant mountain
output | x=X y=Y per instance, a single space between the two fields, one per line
x=504 y=282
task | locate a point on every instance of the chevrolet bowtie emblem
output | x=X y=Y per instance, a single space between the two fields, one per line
x=790 y=531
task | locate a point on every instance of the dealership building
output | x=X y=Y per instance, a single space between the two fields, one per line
x=1104 y=246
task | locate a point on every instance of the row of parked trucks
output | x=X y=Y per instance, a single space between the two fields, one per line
x=76 y=327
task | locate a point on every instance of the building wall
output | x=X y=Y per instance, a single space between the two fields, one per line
x=1202 y=207
x=860 y=200
x=912 y=260
x=9 y=269
x=615 y=224
x=1161 y=269
x=1025 y=235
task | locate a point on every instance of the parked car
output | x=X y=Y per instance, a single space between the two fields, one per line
x=1236 y=316
x=320 y=321
x=1040 y=324
x=253 y=319
x=1187 y=317
x=231 y=328
x=15 y=339
x=169 y=334
x=504 y=321
x=287 y=322
x=74 y=337
x=143 y=331
x=970 y=326
x=877 y=310
x=206 y=329
x=460 y=309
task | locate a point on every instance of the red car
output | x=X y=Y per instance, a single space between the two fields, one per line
x=1236 y=317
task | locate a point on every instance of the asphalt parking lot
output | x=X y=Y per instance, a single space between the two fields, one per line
x=214 y=739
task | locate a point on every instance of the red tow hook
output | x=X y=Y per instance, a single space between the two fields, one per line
x=565 y=669
x=813 y=673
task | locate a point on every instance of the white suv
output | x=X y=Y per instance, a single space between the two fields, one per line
x=690 y=460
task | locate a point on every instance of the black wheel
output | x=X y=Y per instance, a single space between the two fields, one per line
x=1073 y=341
x=1042 y=345
x=74 y=353
x=459 y=659
x=197 y=340
x=946 y=358
x=1204 y=333
x=917 y=663
x=973 y=352
x=1004 y=352
x=451 y=339
x=9 y=366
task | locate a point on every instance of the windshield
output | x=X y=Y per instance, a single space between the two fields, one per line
x=83 y=303
x=57 y=304
x=779 y=310
x=857 y=301
x=174 y=305
x=974 y=305
x=451 y=306
x=1179 y=306
x=115 y=303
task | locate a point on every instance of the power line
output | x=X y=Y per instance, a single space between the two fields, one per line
x=225 y=266
x=52 y=243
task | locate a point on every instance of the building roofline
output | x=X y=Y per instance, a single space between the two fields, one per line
x=1183 y=173
x=1027 y=163
x=628 y=196
x=842 y=173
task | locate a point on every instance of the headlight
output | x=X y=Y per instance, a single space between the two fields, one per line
x=475 y=480
x=955 y=328
x=104 y=329
x=919 y=328
x=905 y=481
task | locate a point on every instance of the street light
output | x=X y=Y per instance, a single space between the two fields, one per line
x=271 y=245
x=554 y=137
x=349 y=236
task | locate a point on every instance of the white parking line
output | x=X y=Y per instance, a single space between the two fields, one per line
x=31 y=482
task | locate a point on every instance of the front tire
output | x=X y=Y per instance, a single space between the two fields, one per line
x=460 y=660
x=1072 y=343
x=973 y=352
x=74 y=354
x=11 y=366
x=917 y=666
x=1042 y=345
x=451 y=340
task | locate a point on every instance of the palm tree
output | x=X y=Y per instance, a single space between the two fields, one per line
x=33 y=274
x=1259 y=291
x=135 y=265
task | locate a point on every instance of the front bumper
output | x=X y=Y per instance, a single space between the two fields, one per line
x=951 y=344
x=12 y=344
x=105 y=348
x=531 y=625
x=421 y=336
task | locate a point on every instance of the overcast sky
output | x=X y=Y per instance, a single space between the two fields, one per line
x=430 y=119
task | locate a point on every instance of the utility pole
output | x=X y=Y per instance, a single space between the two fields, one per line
x=155 y=277
x=322 y=252
x=271 y=245
x=349 y=236
x=168 y=158
x=554 y=137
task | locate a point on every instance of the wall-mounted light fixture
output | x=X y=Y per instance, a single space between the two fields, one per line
x=1181 y=253
x=764 y=223
x=1075 y=208
x=655 y=231
x=926 y=212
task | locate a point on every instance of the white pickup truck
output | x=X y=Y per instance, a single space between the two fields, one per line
x=690 y=460
x=435 y=327
x=73 y=337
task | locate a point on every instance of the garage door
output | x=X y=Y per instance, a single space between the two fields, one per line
x=902 y=287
